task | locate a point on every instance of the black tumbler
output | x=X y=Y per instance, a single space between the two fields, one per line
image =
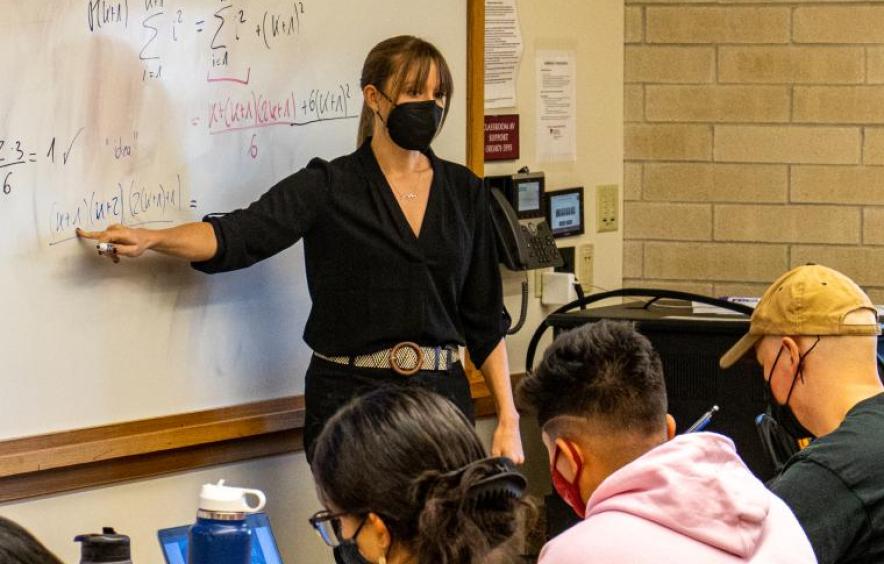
x=105 y=547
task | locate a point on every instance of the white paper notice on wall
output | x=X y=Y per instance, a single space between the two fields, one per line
x=503 y=51
x=556 y=106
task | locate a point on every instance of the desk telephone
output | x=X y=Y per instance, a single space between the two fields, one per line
x=520 y=246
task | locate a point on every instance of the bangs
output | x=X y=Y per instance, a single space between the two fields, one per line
x=414 y=70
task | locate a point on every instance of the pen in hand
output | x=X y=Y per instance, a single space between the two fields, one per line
x=704 y=420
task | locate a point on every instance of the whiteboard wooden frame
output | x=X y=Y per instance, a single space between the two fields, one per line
x=109 y=454
x=476 y=86
x=97 y=456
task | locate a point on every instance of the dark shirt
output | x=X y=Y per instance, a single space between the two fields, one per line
x=835 y=487
x=372 y=281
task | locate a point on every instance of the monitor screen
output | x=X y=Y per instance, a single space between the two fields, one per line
x=565 y=212
x=529 y=196
x=525 y=192
x=264 y=550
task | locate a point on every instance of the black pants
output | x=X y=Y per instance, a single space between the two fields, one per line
x=330 y=386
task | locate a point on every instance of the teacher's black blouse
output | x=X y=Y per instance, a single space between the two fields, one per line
x=372 y=282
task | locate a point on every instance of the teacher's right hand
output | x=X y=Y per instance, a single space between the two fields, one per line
x=126 y=241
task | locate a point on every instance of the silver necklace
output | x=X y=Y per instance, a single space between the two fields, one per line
x=413 y=193
x=406 y=195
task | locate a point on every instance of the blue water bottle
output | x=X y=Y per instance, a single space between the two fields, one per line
x=220 y=534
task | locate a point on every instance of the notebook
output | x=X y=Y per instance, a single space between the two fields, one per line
x=173 y=542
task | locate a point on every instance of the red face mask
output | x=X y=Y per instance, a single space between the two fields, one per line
x=569 y=491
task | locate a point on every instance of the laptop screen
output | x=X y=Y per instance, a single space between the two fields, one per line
x=264 y=550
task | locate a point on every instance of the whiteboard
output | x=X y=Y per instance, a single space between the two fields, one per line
x=154 y=113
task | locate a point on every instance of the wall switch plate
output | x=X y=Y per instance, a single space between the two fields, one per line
x=585 y=260
x=607 y=207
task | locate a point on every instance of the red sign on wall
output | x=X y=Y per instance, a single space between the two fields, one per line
x=502 y=137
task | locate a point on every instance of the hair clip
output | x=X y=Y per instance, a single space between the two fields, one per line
x=505 y=482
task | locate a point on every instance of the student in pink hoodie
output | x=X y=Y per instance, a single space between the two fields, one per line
x=645 y=495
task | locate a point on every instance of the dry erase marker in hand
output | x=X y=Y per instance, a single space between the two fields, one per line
x=108 y=250
x=704 y=420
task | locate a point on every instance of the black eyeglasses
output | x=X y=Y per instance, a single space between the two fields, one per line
x=328 y=526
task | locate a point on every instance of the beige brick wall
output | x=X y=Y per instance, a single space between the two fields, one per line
x=754 y=142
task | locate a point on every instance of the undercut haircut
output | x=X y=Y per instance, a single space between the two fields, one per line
x=605 y=371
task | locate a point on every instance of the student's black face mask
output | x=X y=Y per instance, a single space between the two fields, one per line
x=347 y=551
x=413 y=125
x=783 y=414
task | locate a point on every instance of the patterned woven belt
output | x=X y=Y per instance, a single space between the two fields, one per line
x=405 y=358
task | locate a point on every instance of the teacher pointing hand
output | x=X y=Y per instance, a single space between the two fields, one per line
x=399 y=252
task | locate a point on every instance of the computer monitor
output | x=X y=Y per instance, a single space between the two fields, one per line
x=173 y=542
x=564 y=212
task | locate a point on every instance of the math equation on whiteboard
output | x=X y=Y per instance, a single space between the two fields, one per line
x=147 y=112
x=223 y=28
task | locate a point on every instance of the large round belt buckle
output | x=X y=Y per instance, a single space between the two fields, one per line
x=394 y=359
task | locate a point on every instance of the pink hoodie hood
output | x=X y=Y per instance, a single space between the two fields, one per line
x=689 y=500
x=695 y=485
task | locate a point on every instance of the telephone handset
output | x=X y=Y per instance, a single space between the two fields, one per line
x=522 y=247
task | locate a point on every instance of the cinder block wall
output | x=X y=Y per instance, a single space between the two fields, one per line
x=754 y=142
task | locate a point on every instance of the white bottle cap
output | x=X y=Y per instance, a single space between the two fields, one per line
x=226 y=499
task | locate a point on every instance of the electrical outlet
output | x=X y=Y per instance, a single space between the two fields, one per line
x=584 y=265
x=607 y=208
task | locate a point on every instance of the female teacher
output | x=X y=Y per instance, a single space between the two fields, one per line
x=400 y=256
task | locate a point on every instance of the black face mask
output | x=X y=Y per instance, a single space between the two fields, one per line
x=413 y=125
x=783 y=414
x=348 y=553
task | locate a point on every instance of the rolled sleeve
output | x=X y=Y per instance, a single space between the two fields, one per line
x=274 y=222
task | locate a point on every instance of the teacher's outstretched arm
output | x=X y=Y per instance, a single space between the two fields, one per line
x=194 y=241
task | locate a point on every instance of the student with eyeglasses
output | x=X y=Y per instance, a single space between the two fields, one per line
x=815 y=335
x=405 y=479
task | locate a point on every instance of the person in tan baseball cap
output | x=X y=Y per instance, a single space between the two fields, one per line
x=814 y=333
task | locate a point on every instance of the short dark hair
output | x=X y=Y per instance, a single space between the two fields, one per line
x=18 y=546
x=395 y=452
x=605 y=370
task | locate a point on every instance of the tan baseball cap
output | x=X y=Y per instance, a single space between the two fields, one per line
x=808 y=300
